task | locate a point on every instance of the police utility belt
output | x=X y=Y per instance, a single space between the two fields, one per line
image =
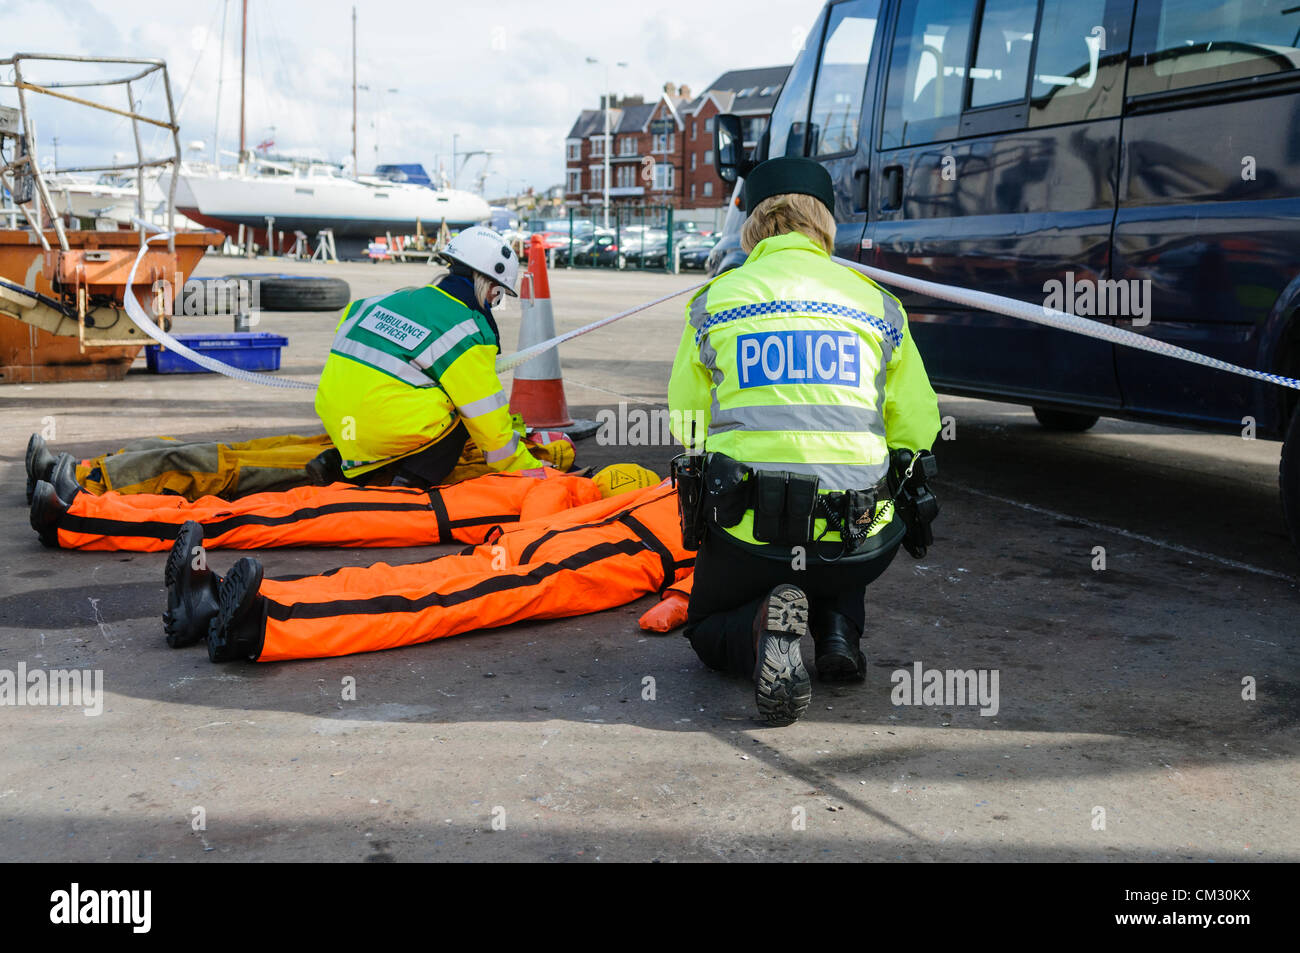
x=713 y=488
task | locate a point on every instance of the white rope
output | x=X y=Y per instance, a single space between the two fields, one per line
x=981 y=300
x=507 y=361
x=1041 y=314
x=141 y=319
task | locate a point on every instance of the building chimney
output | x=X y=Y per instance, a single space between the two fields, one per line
x=670 y=89
x=684 y=92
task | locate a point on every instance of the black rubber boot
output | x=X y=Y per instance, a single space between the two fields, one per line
x=238 y=628
x=63 y=477
x=46 y=512
x=191 y=593
x=326 y=468
x=40 y=461
x=839 y=658
x=782 y=687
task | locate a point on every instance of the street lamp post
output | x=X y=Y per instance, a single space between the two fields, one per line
x=605 y=110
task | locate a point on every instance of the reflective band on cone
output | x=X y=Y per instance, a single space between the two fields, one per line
x=538 y=390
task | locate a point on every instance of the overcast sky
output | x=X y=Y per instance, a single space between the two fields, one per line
x=505 y=75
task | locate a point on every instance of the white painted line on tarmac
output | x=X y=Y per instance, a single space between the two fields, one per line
x=613 y=393
x=1128 y=534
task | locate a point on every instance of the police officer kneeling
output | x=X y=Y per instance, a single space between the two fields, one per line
x=807 y=406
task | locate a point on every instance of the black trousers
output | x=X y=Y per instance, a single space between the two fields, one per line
x=429 y=467
x=731 y=581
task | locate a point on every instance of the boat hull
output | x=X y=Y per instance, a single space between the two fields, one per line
x=357 y=213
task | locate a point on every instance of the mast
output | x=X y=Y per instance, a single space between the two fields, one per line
x=243 y=52
x=355 y=170
x=221 y=73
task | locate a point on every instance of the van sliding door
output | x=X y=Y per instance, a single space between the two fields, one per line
x=996 y=169
x=1209 y=215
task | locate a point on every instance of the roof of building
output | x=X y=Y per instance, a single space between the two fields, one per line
x=739 y=91
x=588 y=120
x=635 y=117
x=752 y=89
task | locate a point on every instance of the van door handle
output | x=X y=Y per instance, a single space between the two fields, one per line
x=861 y=189
x=892 y=197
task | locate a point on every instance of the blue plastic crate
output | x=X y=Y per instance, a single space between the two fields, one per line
x=249 y=350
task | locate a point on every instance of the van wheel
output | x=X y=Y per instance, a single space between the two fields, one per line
x=1288 y=478
x=1064 y=421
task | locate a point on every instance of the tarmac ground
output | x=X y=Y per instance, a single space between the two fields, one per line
x=1126 y=726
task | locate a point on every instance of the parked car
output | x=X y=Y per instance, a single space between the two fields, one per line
x=695 y=250
x=648 y=250
x=601 y=250
x=555 y=232
x=1132 y=160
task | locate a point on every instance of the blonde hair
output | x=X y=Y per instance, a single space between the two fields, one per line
x=791 y=212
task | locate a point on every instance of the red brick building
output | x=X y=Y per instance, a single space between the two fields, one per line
x=662 y=151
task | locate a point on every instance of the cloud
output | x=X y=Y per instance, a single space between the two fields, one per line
x=505 y=75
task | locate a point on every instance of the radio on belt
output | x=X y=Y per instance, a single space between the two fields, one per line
x=799 y=357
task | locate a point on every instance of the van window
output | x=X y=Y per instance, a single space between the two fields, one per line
x=789 y=123
x=842 y=77
x=1001 y=70
x=1081 y=45
x=927 y=71
x=1181 y=43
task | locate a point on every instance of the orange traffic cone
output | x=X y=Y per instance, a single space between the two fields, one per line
x=538 y=390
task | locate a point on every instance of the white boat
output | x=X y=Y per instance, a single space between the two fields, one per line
x=309 y=196
x=110 y=199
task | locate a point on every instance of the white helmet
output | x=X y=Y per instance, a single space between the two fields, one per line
x=486 y=252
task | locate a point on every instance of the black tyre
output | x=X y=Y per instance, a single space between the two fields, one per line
x=1288 y=478
x=300 y=292
x=1064 y=421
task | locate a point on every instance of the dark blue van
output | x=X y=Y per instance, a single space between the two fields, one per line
x=1133 y=161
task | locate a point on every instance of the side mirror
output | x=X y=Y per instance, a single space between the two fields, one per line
x=729 y=148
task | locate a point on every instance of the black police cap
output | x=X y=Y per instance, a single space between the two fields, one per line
x=785 y=175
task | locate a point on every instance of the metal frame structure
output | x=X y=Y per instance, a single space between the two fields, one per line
x=8 y=173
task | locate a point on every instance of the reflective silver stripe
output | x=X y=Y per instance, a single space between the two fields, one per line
x=823 y=418
x=700 y=309
x=894 y=315
x=893 y=312
x=834 y=476
x=504 y=453
x=378 y=359
x=484 y=405
x=708 y=356
x=444 y=343
x=356 y=316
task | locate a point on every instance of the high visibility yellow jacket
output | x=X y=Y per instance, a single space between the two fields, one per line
x=403 y=367
x=792 y=362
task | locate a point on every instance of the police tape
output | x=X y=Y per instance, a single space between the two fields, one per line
x=141 y=319
x=1052 y=318
x=507 y=361
x=981 y=300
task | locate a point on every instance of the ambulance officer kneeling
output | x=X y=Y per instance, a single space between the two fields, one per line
x=813 y=420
